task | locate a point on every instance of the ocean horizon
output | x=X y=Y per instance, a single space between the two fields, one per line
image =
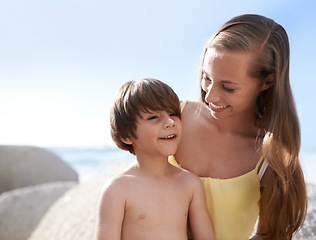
x=87 y=161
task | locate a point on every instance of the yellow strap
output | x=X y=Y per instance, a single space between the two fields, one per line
x=259 y=162
x=182 y=104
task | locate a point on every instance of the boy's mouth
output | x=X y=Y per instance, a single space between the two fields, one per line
x=169 y=136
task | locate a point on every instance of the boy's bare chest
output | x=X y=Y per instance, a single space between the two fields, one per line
x=157 y=204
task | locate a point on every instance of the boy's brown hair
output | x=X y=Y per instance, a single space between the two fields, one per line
x=143 y=95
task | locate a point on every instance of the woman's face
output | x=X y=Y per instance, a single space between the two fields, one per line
x=230 y=91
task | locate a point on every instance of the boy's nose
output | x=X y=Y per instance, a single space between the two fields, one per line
x=169 y=123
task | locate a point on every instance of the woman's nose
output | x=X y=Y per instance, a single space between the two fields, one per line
x=211 y=94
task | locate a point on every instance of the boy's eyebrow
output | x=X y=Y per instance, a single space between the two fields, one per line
x=221 y=81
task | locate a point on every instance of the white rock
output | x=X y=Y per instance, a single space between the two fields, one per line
x=73 y=216
x=22 y=166
x=308 y=230
x=22 y=209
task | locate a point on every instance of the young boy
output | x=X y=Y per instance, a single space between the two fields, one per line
x=147 y=201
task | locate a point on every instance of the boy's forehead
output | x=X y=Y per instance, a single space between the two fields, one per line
x=149 y=111
x=145 y=111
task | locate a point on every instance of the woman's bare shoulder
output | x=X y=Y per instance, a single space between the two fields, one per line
x=193 y=109
x=195 y=115
x=191 y=105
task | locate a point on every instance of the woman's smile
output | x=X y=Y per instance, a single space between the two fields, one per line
x=217 y=108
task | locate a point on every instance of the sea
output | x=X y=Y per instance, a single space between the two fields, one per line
x=87 y=161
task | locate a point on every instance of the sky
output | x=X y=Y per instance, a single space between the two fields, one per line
x=62 y=61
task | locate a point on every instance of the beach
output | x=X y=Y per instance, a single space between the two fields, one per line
x=87 y=162
x=57 y=192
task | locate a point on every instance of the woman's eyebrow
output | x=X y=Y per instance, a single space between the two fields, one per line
x=221 y=81
x=228 y=82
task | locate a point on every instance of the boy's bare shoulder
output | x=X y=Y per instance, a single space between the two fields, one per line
x=119 y=181
x=187 y=177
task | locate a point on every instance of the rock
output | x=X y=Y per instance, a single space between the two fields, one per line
x=74 y=215
x=22 y=166
x=308 y=230
x=22 y=209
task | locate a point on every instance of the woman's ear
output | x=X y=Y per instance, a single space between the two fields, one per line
x=127 y=140
x=268 y=81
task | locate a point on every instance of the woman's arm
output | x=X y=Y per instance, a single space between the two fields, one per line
x=262 y=224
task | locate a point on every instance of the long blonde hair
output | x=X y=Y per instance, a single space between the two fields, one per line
x=284 y=199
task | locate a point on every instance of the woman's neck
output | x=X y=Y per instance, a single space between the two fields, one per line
x=238 y=124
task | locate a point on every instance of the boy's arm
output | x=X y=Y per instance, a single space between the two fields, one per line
x=110 y=213
x=200 y=222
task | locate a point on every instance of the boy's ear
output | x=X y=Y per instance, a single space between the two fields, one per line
x=127 y=140
x=268 y=81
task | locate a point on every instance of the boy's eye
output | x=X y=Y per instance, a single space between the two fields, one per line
x=152 y=117
x=173 y=115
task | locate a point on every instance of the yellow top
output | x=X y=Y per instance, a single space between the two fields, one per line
x=233 y=204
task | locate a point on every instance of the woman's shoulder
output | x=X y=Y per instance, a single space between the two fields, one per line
x=194 y=111
x=192 y=106
x=190 y=103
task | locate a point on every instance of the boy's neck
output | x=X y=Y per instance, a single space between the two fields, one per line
x=154 y=166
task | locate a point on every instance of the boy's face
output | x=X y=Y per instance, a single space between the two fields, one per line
x=158 y=134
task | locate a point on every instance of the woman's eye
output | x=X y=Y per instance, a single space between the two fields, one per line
x=228 y=89
x=206 y=79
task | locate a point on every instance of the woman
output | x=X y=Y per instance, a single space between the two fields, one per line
x=243 y=140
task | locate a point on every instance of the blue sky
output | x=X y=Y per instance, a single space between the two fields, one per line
x=61 y=62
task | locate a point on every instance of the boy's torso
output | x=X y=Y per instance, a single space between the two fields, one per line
x=157 y=208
